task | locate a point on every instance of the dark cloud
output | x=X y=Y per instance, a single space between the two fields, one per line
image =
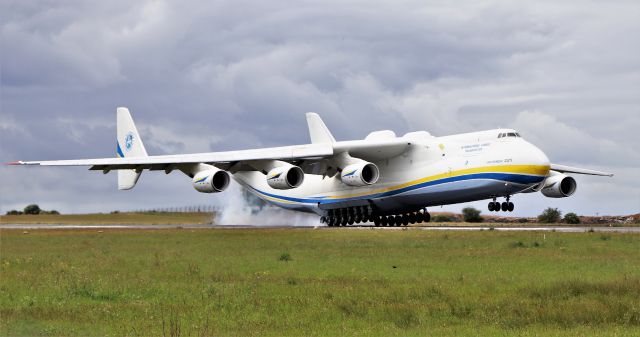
x=207 y=76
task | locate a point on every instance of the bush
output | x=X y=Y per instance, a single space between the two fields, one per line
x=285 y=257
x=14 y=212
x=32 y=209
x=442 y=218
x=54 y=212
x=550 y=215
x=471 y=214
x=571 y=218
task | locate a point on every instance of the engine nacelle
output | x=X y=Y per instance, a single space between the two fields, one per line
x=211 y=181
x=361 y=174
x=285 y=177
x=559 y=185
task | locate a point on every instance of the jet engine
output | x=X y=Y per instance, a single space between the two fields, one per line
x=361 y=174
x=559 y=185
x=211 y=181
x=285 y=177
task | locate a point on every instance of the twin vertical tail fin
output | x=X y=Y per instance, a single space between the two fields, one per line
x=129 y=145
x=318 y=131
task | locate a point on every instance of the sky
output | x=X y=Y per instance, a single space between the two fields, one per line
x=204 y=76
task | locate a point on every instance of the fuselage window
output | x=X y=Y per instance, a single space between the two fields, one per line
x=511 y=134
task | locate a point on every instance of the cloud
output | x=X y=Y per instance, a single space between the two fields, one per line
x=233 y=75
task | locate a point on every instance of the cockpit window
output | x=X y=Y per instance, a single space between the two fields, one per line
x=508 y=134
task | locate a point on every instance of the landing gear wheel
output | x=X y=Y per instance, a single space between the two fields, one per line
x=510 y=207
x=505 y=206
x=405 y=220
x=383 y=221
x=491 y=206
x=412 y=218
x=376 y=221
x=343 y=221
x=426 y=217
x=399 y=220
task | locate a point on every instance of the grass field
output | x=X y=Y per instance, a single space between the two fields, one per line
x=145 y=218
x=305 y=282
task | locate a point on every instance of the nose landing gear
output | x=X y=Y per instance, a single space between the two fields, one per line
x=506 y=206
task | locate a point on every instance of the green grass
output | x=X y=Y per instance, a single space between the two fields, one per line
x=144 y=218
x=305 y=282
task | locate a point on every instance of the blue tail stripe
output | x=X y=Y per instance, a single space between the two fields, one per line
x=119 y=150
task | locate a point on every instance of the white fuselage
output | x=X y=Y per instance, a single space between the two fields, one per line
x=432 y=171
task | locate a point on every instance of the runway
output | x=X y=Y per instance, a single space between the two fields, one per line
x=564 y=229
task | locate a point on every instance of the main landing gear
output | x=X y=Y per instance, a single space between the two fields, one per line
x=506 y=206
x=363 y=214
x=402 y=219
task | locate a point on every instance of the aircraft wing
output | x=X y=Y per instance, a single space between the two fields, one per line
x=577 y=170
x=308 y=152
x=287 y=153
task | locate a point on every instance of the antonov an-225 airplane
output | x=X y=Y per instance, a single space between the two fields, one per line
x=385 y=179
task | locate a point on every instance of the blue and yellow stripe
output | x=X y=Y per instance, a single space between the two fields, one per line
x=520 y=174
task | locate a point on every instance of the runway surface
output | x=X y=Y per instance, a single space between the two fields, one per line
x=565 y=229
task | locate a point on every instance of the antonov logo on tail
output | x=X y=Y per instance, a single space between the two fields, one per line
x=390 y=181
x=128 y=141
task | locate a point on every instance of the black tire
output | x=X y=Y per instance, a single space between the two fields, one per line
x=405 y=220
x=343 y=221
x=376 y=221
x=383 y=221
x=505 y=206
x=511 y=207
x=412 y=218
x=490 y=206
x=427 y=217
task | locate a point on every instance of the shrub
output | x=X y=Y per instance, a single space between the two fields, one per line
x=442 y=218
x=571 y=218
x=54 y=212
x=32 y=209
x=14 y=212
x=550 y=215
x=471 y=214
x=285 y=257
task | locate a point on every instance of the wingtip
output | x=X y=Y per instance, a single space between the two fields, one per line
x=13 y=163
